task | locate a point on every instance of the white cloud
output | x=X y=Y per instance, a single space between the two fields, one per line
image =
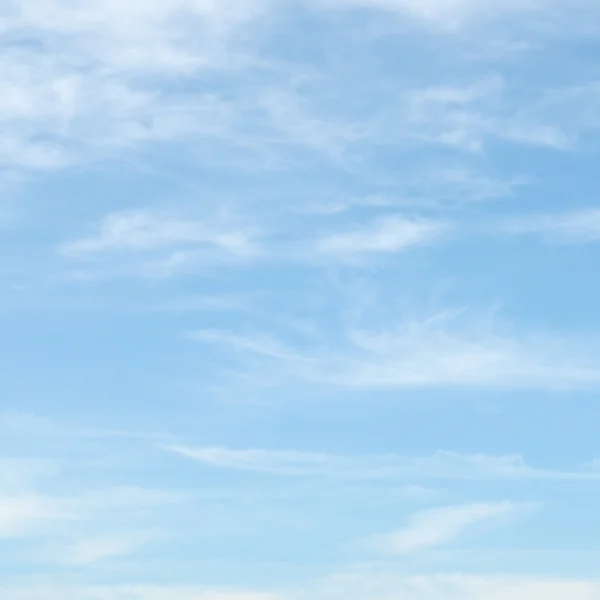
x=468 y=116
x=29 y=514
x=51 y=504
x=455 y=15
x=576 y=227
x=20 y=474
x=47 y=108
x=199 y=303
x=453 y=185
x=442 y=465
x=446 y=13
x=121 y=499
x=63 y=591
x=258 y=343
x=161 y=245
x=386 y=585
x=90 y=84
x=388 y=235
x=90 y=550
x=461 y=116
x=422 y=100
x=440 y=526
x=419 y=355
x=460 y=185
x=98 y=83
x=444 y=350
x=145 y=230
x=152 y=35
x=25 y=514
x=282 y=462
x=353 y=584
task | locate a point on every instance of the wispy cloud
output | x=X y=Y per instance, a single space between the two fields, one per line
x=360 y=585
x=385 y=236
x=419 y=356
x=55 y=589
x=48 y=504
x=98 y=31
x=92 y=89
x=576 y=227
x=447 y=13
x=25 y=514
x=459 y=185
x=144 y=231
x=32 y=513
x=19 y=474
x=431 y=188
x=166 y=244
x=456 y=15
x=258 y=102
x=440 y=526
x=258 y=343
x=281 y=463
x=442 y=465
x=440 y=351
x=87 y=551
x=352 y=584
x=467 y=117
x=112 y=526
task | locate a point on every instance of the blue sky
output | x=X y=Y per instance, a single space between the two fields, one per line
x=299 y=300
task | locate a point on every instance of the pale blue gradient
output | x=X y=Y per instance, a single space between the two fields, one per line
x=300 y=300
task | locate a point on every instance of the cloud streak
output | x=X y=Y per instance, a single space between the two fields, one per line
x=161 y=244
x=93 y=89
x=386 y=236
x=440 y=526
x=575 y=227
x=25 y=514
x=442 y=465
x=94 y=549
x=350 y=584
x=388 y=585
x=440 y=351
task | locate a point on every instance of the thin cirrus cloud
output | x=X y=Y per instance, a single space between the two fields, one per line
x=19 y=474
x=88 y=551
x=442 y=465
x=433 y=357
x=421 y=353
x=160 y=40
x=447 y=13
x=257 y=344
x=61 y=589
x=56 y=113
x=440 y=526
x=469 y=116
x=22 y=515
x=81 y=96
x=24 y=511
x=351 y=584
x=86 y=542
x=260 y=461
x=574 y=227
x=388 y=584
x=384 y=236
x=256 y=101
x=145 y=230
x=50 y=512
x=30 y=513
x=455 y=15
x=163 y=245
